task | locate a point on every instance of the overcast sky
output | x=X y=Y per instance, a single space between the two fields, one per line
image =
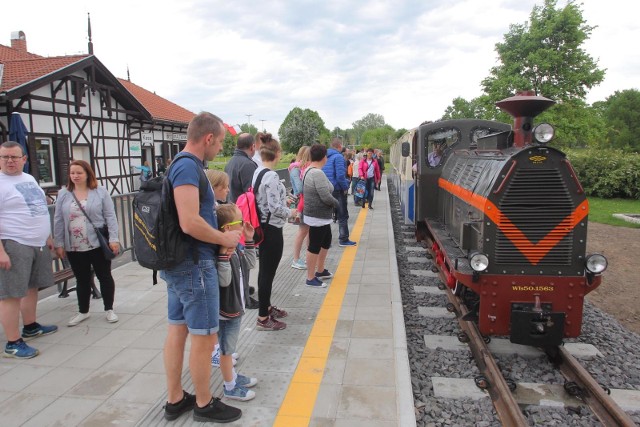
x=405 y=60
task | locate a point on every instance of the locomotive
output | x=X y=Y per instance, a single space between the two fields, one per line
x=504 y=218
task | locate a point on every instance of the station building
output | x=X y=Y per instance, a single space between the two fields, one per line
x=73 y=107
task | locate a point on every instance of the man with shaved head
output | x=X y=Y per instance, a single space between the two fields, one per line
x=240 y=167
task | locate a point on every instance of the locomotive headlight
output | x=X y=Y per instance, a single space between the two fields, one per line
x=596 y=263
x=479 y=262
x=543 y=133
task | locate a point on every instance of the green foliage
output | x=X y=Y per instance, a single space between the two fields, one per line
x=576 y=124
x=248 y=128
x=602 y=210
x=368 y=122
x=460 y=108
x=545 y=55
x=400 y=132
x=228 y=145
x=381 y=138
x=607 y=173
x=302 y=127
x=622 y=114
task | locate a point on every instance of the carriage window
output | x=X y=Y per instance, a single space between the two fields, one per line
x=438 y=142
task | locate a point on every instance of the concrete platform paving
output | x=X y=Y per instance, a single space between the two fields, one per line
x=98 y=374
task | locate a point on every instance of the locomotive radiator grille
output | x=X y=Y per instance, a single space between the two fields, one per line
x=535 y=221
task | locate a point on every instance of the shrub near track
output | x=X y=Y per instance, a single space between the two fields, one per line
x=607 y=173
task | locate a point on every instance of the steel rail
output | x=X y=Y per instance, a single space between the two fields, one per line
x=602 y=405
x=503 y=400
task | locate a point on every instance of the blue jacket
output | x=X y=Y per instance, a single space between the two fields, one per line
x=336 y=170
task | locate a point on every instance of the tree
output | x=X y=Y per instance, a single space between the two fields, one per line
x=302 y=127
x=621 y=113
x=460 y=108
x=229 y=144
x=576 y=124
x=370 y=121
x=545 y=55
x=249 y=128
x=381 y=138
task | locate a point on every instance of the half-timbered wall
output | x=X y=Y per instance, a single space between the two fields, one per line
x=72 y=118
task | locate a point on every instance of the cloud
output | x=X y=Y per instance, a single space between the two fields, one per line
x=406 y=60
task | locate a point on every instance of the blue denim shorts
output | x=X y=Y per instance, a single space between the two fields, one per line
x=193 y=296
x=228 y=335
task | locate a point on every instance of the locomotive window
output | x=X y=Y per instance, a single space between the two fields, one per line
x=437 y=143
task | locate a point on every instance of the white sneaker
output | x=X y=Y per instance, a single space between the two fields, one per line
x=299 y=264
x=80 y=317
x=215 y=358
x=111 y=316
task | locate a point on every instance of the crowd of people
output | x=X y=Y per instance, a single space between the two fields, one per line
x=207 y=294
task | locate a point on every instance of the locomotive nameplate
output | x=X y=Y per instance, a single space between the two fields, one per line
x=532 y=288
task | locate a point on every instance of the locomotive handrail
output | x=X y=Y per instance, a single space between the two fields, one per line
x=506 y=177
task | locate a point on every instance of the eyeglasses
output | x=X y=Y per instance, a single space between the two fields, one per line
x=14 y=158
x=233 y=223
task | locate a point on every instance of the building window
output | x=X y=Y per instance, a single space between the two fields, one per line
x=44 y=162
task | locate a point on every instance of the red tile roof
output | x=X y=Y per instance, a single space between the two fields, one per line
x=20 y=71
x=160 y=108
x=8 y=54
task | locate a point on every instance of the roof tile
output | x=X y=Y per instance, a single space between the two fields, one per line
x=160 y=108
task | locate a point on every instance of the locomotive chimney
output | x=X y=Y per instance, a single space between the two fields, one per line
x=523 y=108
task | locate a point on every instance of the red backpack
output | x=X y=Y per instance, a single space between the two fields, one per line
x=249 y=207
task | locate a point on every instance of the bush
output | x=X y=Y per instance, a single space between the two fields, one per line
x=607 y=173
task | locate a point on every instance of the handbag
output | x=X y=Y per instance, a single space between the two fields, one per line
x=101 y=233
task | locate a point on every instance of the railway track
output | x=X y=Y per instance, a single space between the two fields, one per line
x=510 y=408
x=579 y=384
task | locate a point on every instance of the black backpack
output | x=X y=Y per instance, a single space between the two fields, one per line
x=158 y=240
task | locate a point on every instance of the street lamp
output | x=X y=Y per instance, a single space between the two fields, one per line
x=249 y=118
x=263 y=120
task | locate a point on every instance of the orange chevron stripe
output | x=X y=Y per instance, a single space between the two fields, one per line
x=534 y=252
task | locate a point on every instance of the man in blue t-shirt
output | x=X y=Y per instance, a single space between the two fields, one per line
x=193 y=292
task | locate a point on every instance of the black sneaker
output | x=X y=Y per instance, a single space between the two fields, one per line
x=216 y=411
x=174 y=410
x=252 y=304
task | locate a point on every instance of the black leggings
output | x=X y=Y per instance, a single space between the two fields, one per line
x=319 y=238
x=270 y=256
x=81 y=263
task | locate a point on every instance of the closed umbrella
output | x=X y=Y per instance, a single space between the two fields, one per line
x=18 y=133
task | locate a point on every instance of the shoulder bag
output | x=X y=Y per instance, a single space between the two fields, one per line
x=102 y=233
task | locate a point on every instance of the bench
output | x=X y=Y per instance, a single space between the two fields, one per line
x=63 y=273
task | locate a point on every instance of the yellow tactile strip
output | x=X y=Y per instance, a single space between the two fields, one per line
x=298 y=404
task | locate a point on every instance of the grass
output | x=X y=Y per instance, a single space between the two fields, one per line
x=602 y=210
x=220 y=162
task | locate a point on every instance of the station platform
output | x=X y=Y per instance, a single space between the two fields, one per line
x=341 y=361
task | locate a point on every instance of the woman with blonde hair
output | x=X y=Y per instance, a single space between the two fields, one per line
x=302 y=160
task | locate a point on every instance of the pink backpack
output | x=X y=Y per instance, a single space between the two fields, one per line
x=249 y=207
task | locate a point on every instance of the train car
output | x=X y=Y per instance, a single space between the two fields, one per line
x=403 y=173
x=505 y=220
